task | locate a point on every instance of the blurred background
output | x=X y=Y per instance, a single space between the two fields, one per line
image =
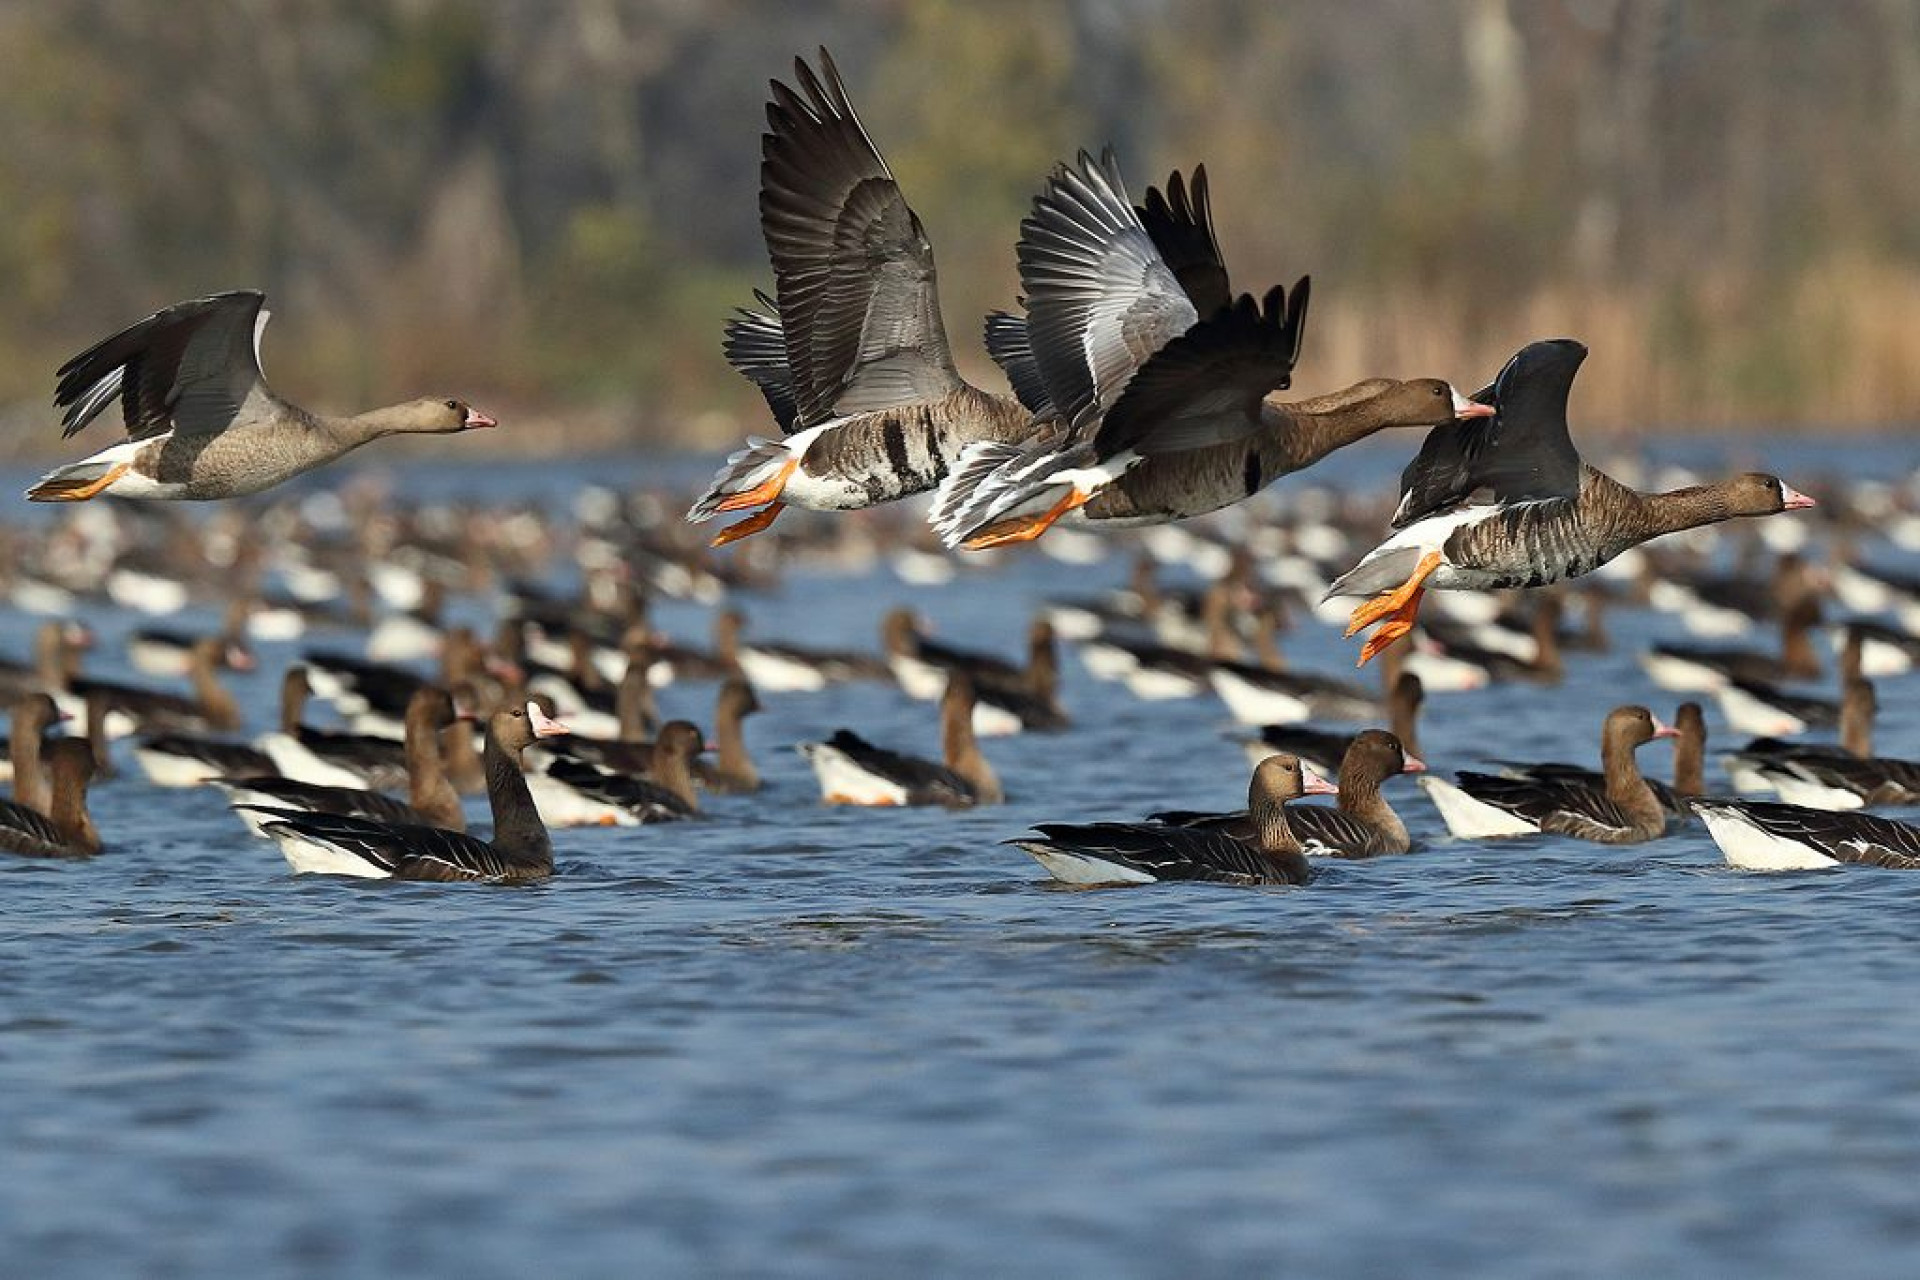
x=549 y=209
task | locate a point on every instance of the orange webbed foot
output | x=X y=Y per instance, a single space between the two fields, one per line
x=1024 y=528
x=751 y=525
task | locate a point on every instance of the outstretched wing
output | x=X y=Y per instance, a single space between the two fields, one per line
x=1205 y=386
x=1100 y=300
x=853 y=270
x=1521 y=453
x=187 y=369
x=1181 y=224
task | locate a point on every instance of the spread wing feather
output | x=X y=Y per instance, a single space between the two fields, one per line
x=186 y=369
x=853 y=270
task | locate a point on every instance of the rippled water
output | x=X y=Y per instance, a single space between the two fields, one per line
x=792 y=1040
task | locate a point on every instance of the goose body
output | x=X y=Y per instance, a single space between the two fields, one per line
x=1552 y=516
x=1621 y=809
x=1758 y=835
x=519 y=851
x=852 y=771
x=1131 y=853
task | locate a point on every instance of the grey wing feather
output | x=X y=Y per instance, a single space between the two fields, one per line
x=1322 y=828
x=1006 y=339
x=1205 y=387
x=187 y=369
x=853 y=268
x=406 y=850
x=755 y=344
x=1100 y=300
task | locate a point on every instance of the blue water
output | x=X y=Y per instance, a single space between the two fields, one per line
x=790 y=1040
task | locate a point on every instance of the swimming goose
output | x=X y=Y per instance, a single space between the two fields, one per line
x=158 y=652
x=1552 y=516
x=732 y=772
x=201 y=422
x=1136 y=360
x=1821 y=776
x=519 y=851
x=573 y=793
x=1323 y=750
x=1755 y=707
x=1689 y=766
x=1622 y=810
x=65 y=830
x=1699 y=668
x=431 y=798
x=1759 y=835
x=328 y=758
x=131 y=709
x=1268 y=693
x=1363 y=825
x=1108 y=853
x=859 y=377
x=32 y=715
x=785 y=668
x=853 y=771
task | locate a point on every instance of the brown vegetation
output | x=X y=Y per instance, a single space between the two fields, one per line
x=553 y=205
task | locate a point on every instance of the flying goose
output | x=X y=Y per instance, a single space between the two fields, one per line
x=851 y=352
x=201 y=422
x=1551 y=515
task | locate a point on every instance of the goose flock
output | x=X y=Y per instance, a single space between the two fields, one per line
x=1142 y=403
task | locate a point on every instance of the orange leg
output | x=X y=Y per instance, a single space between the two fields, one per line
x=59 y=491
x=762 y=493
x=750 y=526
x=1395 y=611
x=1025 y=528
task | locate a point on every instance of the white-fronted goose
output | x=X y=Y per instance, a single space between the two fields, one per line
x=853 y=771
x=1759 y=835
x=1324 y=750
x=431 y=798
x=1706 y=669
x=1824 y=777
x=1623 y=810
x=1689 y=766
x=1135 y=359
x=851 y=353
x=1754 y=707
x=131 y=709
x=785 y=668
x=519 y=850
x=201 y=421
x=324 y=757
x=65 y=830
x=1114 y=853
x=573 y=793
x=156 y=651
x=1552 y=516
x=1363 y=825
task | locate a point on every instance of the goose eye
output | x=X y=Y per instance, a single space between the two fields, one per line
x=453 y=404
